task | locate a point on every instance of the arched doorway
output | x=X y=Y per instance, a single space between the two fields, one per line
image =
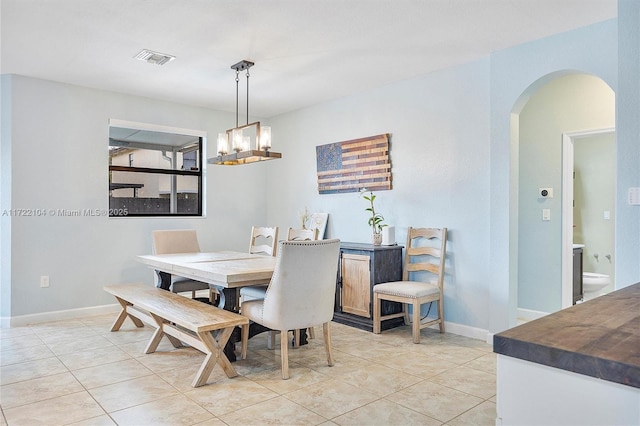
x=557 y=104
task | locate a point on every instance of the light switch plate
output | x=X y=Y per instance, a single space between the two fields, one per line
x=546 y=214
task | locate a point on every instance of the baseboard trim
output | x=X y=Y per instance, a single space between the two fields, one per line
x=530 y=314
x=465 y=330
x=22 y=320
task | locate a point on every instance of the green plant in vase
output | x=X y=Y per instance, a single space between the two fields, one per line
x=375 y=219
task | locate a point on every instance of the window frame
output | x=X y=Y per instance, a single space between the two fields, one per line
x=199 y=173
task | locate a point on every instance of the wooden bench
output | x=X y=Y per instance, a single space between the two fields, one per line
x=180 y=319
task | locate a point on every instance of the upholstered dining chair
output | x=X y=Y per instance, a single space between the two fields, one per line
x=179 y=241
x=301 y=294
x=258 y=292
x=424 y=256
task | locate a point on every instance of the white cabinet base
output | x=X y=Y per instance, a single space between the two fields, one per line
x=534 y=394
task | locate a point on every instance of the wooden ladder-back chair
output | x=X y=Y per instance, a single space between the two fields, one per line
x=302 y=234
x=301 y=294
x=259 y=233
x=420 y=259
x=179 y=241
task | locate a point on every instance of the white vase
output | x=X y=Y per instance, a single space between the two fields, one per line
x=377 y=239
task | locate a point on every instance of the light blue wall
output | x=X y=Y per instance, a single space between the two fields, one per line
x=440 y=163
x=59 y=139
x=516 y=73
x=628 y=143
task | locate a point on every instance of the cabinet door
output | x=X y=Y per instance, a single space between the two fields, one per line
x=356 y=288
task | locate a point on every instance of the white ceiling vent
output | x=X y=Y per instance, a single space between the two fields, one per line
x=154 y=57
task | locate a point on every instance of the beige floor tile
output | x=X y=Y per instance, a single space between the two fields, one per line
x=383 y=412
x=39 y=389
x=376 y=379
x=434 y=400
x=169 y=360
x=331 y=398
x=103 y=420
x=72 y=344
x=215 y=398
x=211 y=422
x=14 y=332
x=276 y=411
x=480 y=415
x=136 y=349
x=56 y=411
x=133 y=392
x=93 y=357
x=486 y=363
x=417 y=364
x=106 y=374
x=182 y=378
x=53 y=336
x=468 y=380
x=20 y=341
x=299 y=377
x=370 y=349
x=456 y=353
x=171 y=411
x=30 y=370
x=29 y=353
x=379 y=380
x=122 y=337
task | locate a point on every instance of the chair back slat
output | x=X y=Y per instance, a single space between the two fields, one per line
x=302 y=234
x=261 y=234
x=417 y=252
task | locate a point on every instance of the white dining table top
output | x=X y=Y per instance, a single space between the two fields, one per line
x=227 y=269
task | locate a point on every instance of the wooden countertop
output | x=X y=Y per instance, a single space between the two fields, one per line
x=598 y=338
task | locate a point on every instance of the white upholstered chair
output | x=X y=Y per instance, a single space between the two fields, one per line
x=425 y=256
x=179 y=241
x=258 y=292
x=301 y=294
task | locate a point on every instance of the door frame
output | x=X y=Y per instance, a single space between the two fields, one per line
x=568 y=140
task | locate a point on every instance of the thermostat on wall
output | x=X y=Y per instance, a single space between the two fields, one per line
x=545 y=192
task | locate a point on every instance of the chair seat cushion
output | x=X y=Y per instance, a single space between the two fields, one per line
x=412 y=289
x=180 y=285
x=253 y=292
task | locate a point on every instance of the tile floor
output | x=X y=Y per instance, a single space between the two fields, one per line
x=77 y=372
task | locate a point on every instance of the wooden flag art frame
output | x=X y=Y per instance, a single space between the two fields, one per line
x=353 y=165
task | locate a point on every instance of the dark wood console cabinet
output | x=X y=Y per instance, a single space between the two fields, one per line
x=361 y=267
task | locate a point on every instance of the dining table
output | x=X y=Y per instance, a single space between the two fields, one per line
x=224 y=271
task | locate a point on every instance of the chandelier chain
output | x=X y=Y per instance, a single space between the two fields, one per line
x=247 y=96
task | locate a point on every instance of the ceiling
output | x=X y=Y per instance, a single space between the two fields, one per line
x=305 y=51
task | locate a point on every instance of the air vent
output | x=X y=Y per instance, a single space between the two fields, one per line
x=154 y=57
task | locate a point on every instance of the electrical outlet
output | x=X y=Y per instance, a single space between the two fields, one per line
x=44 y=281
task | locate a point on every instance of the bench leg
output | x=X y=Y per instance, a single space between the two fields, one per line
x=214 y=355
x=123 y=316
x=157 y=337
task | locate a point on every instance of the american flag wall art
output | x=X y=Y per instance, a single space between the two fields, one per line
x=350 y=166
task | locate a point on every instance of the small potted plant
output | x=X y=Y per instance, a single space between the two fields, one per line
x=375 y=219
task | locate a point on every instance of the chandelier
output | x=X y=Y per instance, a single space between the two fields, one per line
x=248 y=143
